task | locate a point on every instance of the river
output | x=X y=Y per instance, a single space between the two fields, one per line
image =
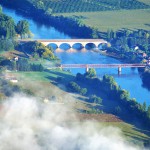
x=128 y=80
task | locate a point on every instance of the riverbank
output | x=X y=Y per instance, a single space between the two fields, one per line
x=61 y=23
x=51 y=88
x=125 y=80
x=59 y=96
x=124 y=19
x=106 y=53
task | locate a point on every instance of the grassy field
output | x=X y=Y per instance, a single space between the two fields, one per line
x=57 y=6
x=130 y=19
x=44 y=85
x=45 y=76
x=130 y=132
x=145 y=1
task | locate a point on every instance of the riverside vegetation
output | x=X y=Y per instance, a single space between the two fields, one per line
x=123 y=40
x=107 y=85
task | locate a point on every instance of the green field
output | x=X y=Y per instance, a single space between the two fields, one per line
x=130 y=19
x=42 y=84
x=45 y=76
x=101 y=14
x=145 y=1
x=131 y=133
x=57 y=6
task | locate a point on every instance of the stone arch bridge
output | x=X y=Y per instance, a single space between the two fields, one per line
x=70 y=42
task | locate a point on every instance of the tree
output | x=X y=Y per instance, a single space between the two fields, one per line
x=40 y=5
x=119 y=4
x=148 y=111
x=117 y=110
x=7 y=26
x=144 y=106
x=79 y=77
x=108 y=34
x=37 y=50
x=59 y=79
x=83 y=91
x=49 y=11
x=2 y=96
x=124 y=95
x=1 y=9
x=22 y=27
x=95 y=33
x=6 y=45
x=127 y=33
x=23 y=65
x=91 y=73
x=74 y=87
x=95 y=99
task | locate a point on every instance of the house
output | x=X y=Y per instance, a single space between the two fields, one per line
x=136 y=48
x=16 y=58
x=13 y=80
x=141 y=54
x=148 y=62
x=10 y=78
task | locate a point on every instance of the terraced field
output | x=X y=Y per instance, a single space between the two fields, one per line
x=66 y=6
x=145 y=1
x=102 y=14
x=116 y=20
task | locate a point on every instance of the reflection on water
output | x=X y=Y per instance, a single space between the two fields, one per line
x=40 y=31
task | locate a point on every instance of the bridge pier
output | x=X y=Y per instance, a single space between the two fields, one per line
x=87 y=68
x=61 y=67
x=119 y=70
x=97 y=44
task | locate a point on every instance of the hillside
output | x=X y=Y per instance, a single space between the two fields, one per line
x=115 y=20
x=100 y=14
x=49 y=92
x=66 y=6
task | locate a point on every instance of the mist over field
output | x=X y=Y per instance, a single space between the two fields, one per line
x=27 y=123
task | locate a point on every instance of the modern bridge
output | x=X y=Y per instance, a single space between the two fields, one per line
x=70 y=42
x=87 y=66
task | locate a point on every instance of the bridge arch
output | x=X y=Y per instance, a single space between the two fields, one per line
x=71 y=42
x=53 y=45
x=89 y=46
x=65 y=46
x=102 y=46
x=77 y=46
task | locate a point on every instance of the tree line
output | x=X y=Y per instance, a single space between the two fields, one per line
x=37 y=50
x=8 y=28
x=74 y=26
x=9 y=31
x=68 y=6
x=22 y=64
x=145 y=76
x=124 y=43
x=76 y=86
x=127 y=107
x=7 y=89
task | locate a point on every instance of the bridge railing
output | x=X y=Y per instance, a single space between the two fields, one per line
x=103 y=65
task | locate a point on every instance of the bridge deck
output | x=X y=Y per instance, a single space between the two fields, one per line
x=63 y=40
x=102 y=65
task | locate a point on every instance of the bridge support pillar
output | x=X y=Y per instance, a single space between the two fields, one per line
x=71 y=45
x=61 y=67
x=87 y=69
x=97 y=46
x=119 y=70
